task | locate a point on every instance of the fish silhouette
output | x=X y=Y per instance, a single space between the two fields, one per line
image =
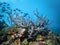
x=0 y=4
x=4 y=3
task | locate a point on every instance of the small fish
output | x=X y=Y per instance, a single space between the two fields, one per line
x=25 y=14
x=1 y=15
x=14 y=10
x=0 y=4
x=8 y=7
x=8 y=4
x=4 y=3
x=21 y=12
x=3 y=9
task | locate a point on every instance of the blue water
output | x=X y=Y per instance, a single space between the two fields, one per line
x=50 y=8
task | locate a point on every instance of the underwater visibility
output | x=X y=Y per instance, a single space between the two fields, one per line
x=18 y=27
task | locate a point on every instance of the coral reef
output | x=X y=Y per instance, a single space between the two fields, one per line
x=24 y=31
